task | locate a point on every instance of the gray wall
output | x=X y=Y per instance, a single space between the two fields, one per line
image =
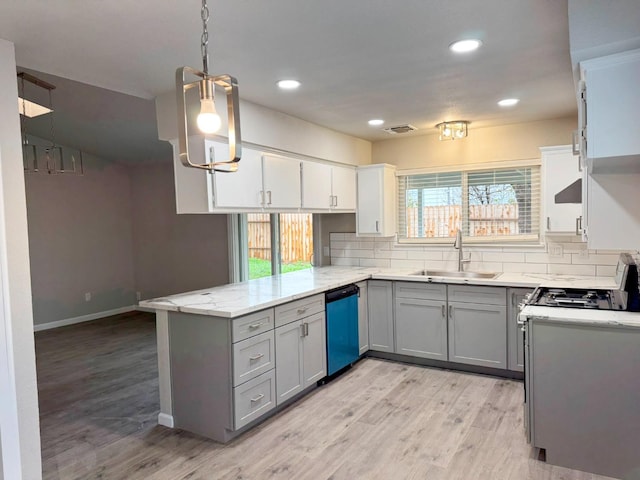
x=328 y=223
x=173 y=253
x=80 y=241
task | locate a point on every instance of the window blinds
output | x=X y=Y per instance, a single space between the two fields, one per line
x=485 y=204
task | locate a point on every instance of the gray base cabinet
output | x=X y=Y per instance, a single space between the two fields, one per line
x=515 y=345
x=380 y=302
x=363 y=320
x=421 y=320
x=301 y=358
x=477 y=334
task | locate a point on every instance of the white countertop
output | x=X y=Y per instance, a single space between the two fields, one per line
x=238 y=299
x=583 y=316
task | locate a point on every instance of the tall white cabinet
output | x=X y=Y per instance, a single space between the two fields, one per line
x=377 y=200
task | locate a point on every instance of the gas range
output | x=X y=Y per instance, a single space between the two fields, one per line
x=596 y=299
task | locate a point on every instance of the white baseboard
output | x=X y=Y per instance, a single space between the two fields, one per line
x=83 y=318
x=165 y=420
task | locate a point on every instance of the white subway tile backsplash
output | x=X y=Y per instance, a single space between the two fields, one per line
x=375 y=262
x=524 y=267
x=503 y=257
x=594 y=259
x=345 y=262
x=545 y=258
x=417 y=264
x=572 y=269
x=576 y=259
x=606 y=270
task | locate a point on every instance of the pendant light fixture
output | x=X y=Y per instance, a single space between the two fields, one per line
x=52 y=158
x=208 y=120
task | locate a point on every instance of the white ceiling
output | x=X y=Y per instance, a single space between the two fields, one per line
x=356 y=59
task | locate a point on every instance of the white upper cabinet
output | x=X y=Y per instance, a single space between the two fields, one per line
x=560 y=169
x=328 y=187
x=281 y=182
x=612 y=105
x=316 y=186
x=343 y=183
x=241 y=189
x=376 y=212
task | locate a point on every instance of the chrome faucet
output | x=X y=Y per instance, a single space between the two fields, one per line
x=458 y=245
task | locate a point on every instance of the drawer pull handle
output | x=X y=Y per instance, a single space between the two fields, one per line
x=302 y=310
x=253 y=358
x=257 y=398
x=253 y=326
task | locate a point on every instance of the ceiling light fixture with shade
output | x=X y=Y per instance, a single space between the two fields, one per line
x=208 y=120
x=453 y=130
x=51 y=158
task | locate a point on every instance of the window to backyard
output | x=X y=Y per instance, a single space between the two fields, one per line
x=485 y=204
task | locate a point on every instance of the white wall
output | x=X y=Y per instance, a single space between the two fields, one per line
x=19 y=422
x=173 y=253
x=509 y=142
x=262 y=126
x=80 y=241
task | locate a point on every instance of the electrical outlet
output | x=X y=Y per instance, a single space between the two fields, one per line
x=555 y=250
x=138 y=296
x=326 y=251
x=87 y=297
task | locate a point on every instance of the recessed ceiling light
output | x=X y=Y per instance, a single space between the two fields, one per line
x=464 y=46
x=376 y=122
x=288 y=84
x=508 y=102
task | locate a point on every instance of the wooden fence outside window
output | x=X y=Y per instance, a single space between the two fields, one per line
x=296 y=236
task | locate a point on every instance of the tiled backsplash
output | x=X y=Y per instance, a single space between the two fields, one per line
x=565 y=255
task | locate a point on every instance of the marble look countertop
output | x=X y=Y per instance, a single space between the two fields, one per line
x=583 y=316
x=238 y=299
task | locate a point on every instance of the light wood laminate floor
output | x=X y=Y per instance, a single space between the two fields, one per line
x=380 y=420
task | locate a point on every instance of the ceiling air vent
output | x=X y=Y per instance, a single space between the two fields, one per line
x=400 y=129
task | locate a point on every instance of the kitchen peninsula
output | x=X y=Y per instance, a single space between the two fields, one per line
x=217 y=347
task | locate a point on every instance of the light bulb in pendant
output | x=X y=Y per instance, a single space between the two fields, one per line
x=208 y=119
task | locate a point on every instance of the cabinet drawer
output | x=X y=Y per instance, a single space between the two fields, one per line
x=253 y=356
x=420 y=290
x=478 y=294
x=254 y=398
x=252 y=324
x=292 y=311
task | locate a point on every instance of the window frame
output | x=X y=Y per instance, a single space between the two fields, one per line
x=533 y=239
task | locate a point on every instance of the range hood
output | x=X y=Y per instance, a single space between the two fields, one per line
x=570 y=194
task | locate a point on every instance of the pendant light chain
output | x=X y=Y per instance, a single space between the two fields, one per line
x=204 y=41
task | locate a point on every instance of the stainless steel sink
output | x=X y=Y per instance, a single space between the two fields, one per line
x=454 y=273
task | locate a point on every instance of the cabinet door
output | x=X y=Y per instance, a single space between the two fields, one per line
x=316 y=186
x=241 y=189
x=478 y=334
x=363 y=320
x=281 y=182
x=314 y=346
x=370 y=198
x=560 y=169
x=289 y=361
x=421 y=328
x=343 y=183
x=515 y=345
x=380 y=301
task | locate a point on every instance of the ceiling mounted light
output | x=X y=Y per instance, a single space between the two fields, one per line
x=465 y=46
x=508 y=102
x=288 y=84
x=376 y=122
x=453 y=130
x=208 y=120
x=51 y=158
